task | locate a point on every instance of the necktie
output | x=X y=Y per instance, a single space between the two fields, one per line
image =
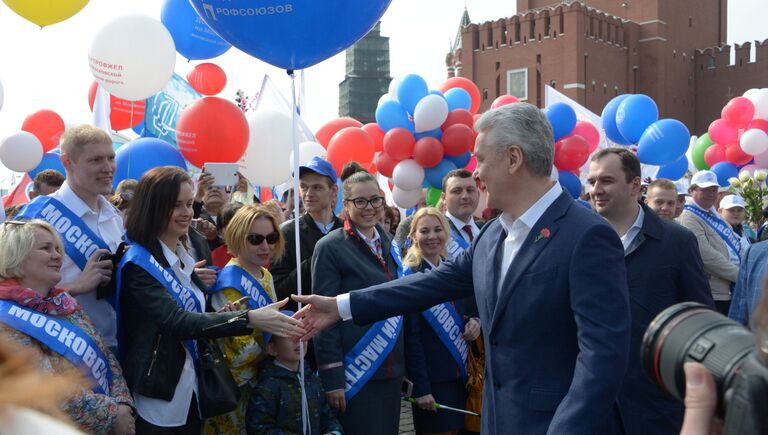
x=468 y=229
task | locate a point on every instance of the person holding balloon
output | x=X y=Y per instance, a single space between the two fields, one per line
x=254 y=238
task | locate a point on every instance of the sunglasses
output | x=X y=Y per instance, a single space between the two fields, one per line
x=258 y=239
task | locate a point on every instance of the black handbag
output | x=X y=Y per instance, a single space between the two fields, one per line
x=217 y=390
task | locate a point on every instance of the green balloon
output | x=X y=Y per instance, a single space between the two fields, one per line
x=433 y=196
x=697 y=151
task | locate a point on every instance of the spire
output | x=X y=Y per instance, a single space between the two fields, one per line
x=465 y=21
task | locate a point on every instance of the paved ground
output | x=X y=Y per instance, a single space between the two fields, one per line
x=406 y=419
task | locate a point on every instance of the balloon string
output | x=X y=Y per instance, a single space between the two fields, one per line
x=294 y=121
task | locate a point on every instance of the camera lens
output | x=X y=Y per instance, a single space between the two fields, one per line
x=694 y=332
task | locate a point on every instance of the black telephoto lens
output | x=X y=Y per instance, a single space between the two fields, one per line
x=691 y=332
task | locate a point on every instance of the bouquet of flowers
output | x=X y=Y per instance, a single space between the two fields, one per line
x=751 y=187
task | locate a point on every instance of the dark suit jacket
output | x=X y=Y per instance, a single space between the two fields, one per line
x=556 y=334
x=342 y=263
x=665 y=268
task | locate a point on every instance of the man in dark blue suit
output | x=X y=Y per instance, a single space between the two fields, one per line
x=550 y=285
x=664 y=268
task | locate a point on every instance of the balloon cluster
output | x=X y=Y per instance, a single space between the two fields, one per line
x=422 y=134
x=40 y=132
x=737 y=140
x=634 y=119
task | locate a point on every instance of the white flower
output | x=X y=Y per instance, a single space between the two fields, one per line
x=734 y=182
x=744 y=176
x=760 y=175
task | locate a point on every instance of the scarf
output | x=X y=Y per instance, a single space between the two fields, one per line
x=57 y=303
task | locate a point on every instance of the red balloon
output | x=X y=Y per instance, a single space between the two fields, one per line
x=385 y=164
x=350 y=144
x=377 y=134
x=762 y=124
x=467 y=85
x=457 y=139
x=503 y=101
x=326 y=132
x=428 y=152
x=715 y=154
x=589 y=133
x=571 y=152
x=735 y=155
x=212 y=129
x=372 y=168
x=47 y=126
x=723 y=132
x=399 y=143
x=207 y=78
x=458 y=116
x=122 y=113
x=472 y=165
x=739 y=111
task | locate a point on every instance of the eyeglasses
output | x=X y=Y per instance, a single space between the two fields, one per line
x=362 y=203
x=258 y=239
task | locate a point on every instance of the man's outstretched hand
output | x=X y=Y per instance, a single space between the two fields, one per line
x=318 y=313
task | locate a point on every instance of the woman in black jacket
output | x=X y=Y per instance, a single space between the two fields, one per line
x=162 y=304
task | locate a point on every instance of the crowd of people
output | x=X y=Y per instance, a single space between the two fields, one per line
x=124 y=293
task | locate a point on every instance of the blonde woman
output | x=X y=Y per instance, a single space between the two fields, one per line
x=254 y=239
x=435 y=361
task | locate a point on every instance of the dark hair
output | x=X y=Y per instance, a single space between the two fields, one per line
x=12 y=210
x=153 y=204
x=123 y=196
x=458 y=173
x=351 y=168
x=357 y=177
x=50 y=177
x=227 y=212
x=630 y=164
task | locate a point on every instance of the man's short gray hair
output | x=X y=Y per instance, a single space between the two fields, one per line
x=526 y=126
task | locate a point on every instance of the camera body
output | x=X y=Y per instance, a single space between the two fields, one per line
x=692 y=332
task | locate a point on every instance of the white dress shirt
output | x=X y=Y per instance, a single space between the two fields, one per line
x=628 y=238
x=107 y=224
x=460 y=226
x=174 y=413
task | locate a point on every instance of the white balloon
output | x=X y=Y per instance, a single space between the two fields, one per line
x=21 y=152
x=270 y=142
x=754 y=141
x=430 y=113
x=748 y=94
x=383 y=99
x=760 y=100
x=308 y=150
x=132 y=57
x=406 y=198
x=761 y=160
x=2 y=95
x=393 y=89
x=408 y=175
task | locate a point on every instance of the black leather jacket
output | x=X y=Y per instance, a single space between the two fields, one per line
x=153 y=328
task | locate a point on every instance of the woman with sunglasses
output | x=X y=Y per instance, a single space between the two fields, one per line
x=254 y=239
x=361 y=367
x=161 y=308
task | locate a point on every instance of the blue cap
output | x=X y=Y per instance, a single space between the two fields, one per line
x=267 y=336
x=319 y=166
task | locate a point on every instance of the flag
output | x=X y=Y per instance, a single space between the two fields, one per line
x=20 y=193
x=101 y=110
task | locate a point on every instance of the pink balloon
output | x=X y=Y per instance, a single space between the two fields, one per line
x=723 y=132
x=472 y=165
x=503 y=101
x=589 y=133
x=739 y=111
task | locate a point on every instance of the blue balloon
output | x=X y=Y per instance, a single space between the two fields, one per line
x=390 y=114
x=634 y=115
x=339 y=200
x=571 y=183
x=51 y=160
x=675 y=170
x=291 y=35
x=436 y=133
x=458 y=99
x=663 y=142
x=137 y=157
x=435 y=174
x=724 y=171
x=410 y=90
x=609 y=120
x=138 y=128
x=562 y=118
x=461 y=160
x=192 y=37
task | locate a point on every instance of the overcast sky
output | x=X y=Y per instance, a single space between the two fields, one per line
x=48 y=69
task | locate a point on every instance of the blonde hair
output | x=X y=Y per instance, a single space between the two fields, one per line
x=240 y=226
x=17 y=239
x=74 y=139
x=414 y=256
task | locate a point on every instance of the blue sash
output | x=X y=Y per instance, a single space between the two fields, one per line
x=446 y=322
x=237 y=278
x=456 y=245
x=185 y=297
x=722 y=228
x=369 y=353
x=80 y=242
x=397 y=256
x=64 y=338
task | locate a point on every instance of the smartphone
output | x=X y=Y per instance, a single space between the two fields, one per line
x=224 y=174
